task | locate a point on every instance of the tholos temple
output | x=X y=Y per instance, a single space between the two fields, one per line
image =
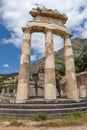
x=48 y=22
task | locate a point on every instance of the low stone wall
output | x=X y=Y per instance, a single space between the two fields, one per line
x=81 y=84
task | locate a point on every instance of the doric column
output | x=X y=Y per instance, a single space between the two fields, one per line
x=71 y=83
x=23 y=79
x=50 y=85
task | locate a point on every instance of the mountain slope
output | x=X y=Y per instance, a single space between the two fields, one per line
x=78 y=47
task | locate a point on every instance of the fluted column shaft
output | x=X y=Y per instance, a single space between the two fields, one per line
x=71 y=88
x=50 y=85
x=23 y=79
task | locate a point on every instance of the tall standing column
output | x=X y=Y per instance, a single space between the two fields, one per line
x=71 y=83
x=50 y=85
x=23 y=79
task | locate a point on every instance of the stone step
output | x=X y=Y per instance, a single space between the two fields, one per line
x=53 y=109
x=48 y=111
x=41 y=106
x=29 y=115
x=57 y=101
x=21 y=115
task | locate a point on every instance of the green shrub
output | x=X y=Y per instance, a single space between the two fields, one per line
x=78 y=114
x=75 y=115
x=81 y=62
x=76 y=123
x=40 y=117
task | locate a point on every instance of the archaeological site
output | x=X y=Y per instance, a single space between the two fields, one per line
x=41 y=91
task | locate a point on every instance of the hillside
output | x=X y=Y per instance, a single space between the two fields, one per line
x=80 y=54
x=8 y=80
x=78 y=48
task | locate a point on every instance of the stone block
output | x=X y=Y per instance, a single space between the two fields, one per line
x=83 y=92
x=49 y=62
x=31 y=91
x=50 y=76
x=22 y=93
x=25 y=59
x=24 y=73
x=26 y=46
x=50 y=91
x=40 y=92
x=69 y=52
x=69 y=64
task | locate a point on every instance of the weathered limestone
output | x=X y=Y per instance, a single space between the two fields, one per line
x=23 y=79
x=83 y=91
x=50 y=85
x=49 y=22
x=71 y=88
x=48 y=15
x=41 y=26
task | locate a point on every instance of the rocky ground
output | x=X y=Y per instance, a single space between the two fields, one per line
x=45 y=128
x=32 y=125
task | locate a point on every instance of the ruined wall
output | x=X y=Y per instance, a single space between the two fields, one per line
x=81 y=84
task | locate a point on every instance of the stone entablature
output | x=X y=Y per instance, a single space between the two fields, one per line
x=44 y=19
x=48 y=22
x=41 y=27
x=46 y=14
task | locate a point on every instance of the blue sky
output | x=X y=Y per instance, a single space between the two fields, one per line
x=13 y=16
x=9 y=53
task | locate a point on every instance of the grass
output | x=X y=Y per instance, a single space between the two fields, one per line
x=40 y=117
x=8 y=118
x=16 y=124
x=75 y=119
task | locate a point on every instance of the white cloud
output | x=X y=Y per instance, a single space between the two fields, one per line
x=33 y=57
x=38 y=43
x=15 y=14
x=6 y=65
x=58 y=42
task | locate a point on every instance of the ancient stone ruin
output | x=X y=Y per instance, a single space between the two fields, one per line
x=48 y=22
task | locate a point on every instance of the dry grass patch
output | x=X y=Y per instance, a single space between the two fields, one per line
x=76 y=119
x=17 y=124
x=8 y=118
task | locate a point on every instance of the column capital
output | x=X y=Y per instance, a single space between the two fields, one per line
x=66 y=35
x=27 y=30
x=48 y=29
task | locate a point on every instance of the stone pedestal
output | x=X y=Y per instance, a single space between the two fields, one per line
x=82 y=91
x=50 y=85
x=23 y=79
x=71 y=88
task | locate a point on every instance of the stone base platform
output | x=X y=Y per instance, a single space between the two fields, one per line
x=53 y=108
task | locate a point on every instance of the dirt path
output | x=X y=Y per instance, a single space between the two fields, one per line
x=42 y=128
